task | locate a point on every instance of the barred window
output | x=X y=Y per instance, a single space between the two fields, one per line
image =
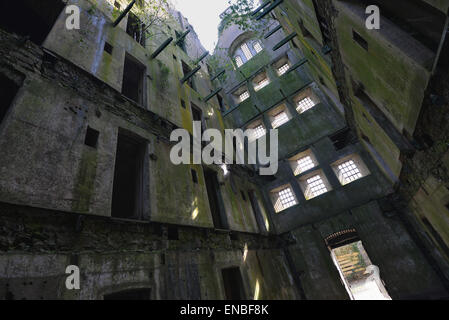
x=261 y=84
x=283 y=69
x=239 y=61
x=259 y=132
x=349 y=172
x=304 y=164
x=246 y=51
x=305 y=104
x=286 y=199
x=315 y=187
x=244 y=96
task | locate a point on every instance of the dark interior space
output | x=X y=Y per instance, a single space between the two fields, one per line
x=136 y=29
x=128 y=178
x=136 y=294
x=7 y=93
x=31 y=18
x=186 y=70
x=233 y=284
x=213 y=191
x=133 y=79
x=91 y=139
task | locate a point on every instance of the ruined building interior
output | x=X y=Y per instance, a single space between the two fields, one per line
x=359 y=206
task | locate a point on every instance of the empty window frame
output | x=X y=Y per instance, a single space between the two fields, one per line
x=215 y=199
x=360 y=277
x=260 y=81
x=40 y=17
x=8 y=92
x=129 y=186
x=257 y=46
x=108 y=48
x=186 y=70
x=314 y=184
x=283 y=198
x=91 y=138
x=350 y=169
x=133 y=79
x=303 y=162
x=306 y=100
x=233 y=284
x=279 y=116
x=197 y=115
x=136 y=29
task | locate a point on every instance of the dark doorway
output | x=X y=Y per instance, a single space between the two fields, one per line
x=135 y=294
x=214 y=195
x=257 y=212
x=31 y=18
x=136 y=29
x=233 y=284
x=133 y=79
x=127 y=196
x=197 y=115
x=7 y=95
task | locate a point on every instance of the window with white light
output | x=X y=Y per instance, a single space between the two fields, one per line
x=258 y=46
x=306 y=100
x=314 y=184
x=305 y=104
x=239 y=61
x=279 y=120
x=243 y=96
x=283 y=198
x=349 y=172
x=303 y=162
x=315 y=187
x=261 y=84
x=283 y=69
x=259 y=131
x=350 y=169
x=246 y=51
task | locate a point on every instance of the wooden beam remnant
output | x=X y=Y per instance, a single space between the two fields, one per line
x=285 y=40
x=124 y=13
x=161 y=48
x=269 y=9
x=190 y=74
x=213 y=94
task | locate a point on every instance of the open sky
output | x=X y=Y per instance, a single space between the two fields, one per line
x=204 y=16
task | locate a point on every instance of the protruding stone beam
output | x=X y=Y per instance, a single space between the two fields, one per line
x=297 y=65
x=182 y=37
x=190 y=74
x=205 y=54
x=269 y=34
x=213 y=94
x=124 y=13
x=263 y=5
x=269 y=9
x=161 y=48
x=218 y=74
x=284 y=41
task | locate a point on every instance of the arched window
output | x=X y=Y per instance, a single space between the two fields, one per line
x=246 y=51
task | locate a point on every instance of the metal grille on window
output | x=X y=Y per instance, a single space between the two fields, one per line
x=279 y=120
x=261 y=84
x=282 y=70
x=286 y=200
x=305 y=104
x=257 y=47
x=246 y=51
x=348 y=172
x=304 y=164
x=315 y=187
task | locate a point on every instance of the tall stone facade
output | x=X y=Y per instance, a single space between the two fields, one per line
x=86 y=178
